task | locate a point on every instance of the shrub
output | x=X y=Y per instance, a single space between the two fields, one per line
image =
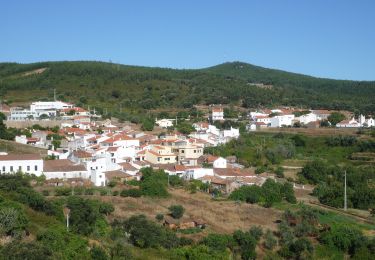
x=63 y=192
x=89 y=192
x=45 y=192
x=159 y=217
x=115 y=193
x=176 y=211
x=135 y=193
x=270 y=240
x=256 y=232
x=103 y=192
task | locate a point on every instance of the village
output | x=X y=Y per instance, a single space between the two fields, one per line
x=87 y=150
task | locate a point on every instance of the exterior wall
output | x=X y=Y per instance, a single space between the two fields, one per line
x=279 y=121
x=305 y=119
x=28 y=123
x=160 y=159
x=67 y=175
x=198 y=173
x=217 y=116
x=220 y=163
x=26 y=166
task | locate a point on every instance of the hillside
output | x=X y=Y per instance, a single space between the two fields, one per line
x=129 y=90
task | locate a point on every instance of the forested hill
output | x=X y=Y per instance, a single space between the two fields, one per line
x=135 y=89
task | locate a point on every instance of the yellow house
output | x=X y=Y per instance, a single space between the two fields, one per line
x=160 y=155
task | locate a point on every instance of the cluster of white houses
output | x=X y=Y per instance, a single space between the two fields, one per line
x=97 y=153
x=290 y=117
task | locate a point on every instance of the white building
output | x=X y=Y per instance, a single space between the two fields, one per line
x=307 y=118
x=49 y=105
x=196 y=173
x=220 y=163
x=352 y=123
x=64 y=169
x=217 y=113
x=164 y=123
x=263 y=119
x=26 y=163
x=282 y=120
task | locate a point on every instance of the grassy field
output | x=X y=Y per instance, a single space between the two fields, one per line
x=220 y=216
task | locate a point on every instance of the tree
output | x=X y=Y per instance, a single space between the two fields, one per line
x=176 y=211
x=335 y=118
x=148 y=124
x=185 y=128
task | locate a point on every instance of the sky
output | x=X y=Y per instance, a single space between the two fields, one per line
x=324 y=38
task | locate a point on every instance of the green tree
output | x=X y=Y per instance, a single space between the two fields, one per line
x=335 y=118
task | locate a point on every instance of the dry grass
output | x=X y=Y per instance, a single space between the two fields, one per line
x=220 y=216
x=313 y=132
x=17 y=148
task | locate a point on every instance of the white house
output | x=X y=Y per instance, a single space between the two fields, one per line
x=196 y=173
x=307 y=118
x=263 y=119
x=232 y=133
x=282 y=120
x=64 y=169
x=220 y=163
x=217 y=113
x=352 y=123
x=27 y=163
x=164 y=123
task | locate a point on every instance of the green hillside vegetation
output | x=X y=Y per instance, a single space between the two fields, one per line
x=32 y=226
x=126 y=91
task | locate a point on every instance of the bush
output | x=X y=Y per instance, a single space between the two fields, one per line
x=89 y=192
x=176 y=211
x=218 y=242
x=135 y=193
x=270 y=240
x=12 y=219
x=63 y=192
x=144 y=233
x=103 y=192
x=45 y=192
x=106 y=208
x=115 y=193
x=159 y=217
x=256 y=232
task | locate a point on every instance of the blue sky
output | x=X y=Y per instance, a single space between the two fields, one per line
x=325 y=38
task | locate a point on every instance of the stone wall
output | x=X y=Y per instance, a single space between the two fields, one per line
x=28 y=123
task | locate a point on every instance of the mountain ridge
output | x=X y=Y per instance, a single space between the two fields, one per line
x=138 y=89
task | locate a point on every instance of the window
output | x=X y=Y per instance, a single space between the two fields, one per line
x=195 y=151
x=3 y=168
x=36 y=167
x=11 y=168
x=28 y=168
x=20 y=168
x=159 y=159
x=80 y=174
x=64 y=174
x=182 y=151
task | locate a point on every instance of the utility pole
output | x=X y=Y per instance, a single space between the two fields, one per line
x=345 y=195
x=54 y=94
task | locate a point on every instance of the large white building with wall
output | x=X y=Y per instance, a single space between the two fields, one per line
x=26 y=163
